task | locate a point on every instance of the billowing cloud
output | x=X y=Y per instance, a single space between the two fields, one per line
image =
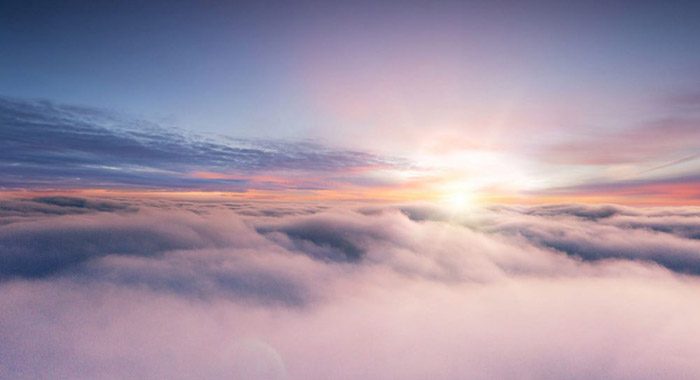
x=252 y=290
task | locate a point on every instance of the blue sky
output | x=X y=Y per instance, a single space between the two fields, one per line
x=227 y=67
x=534 y=87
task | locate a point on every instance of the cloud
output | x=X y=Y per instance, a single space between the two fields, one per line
x=45 y=145
x=42 y=247
x=180 y=289
x=672 y=163
x=591 y=241
x=672 y=138
x=683 y=188
x=667 y=236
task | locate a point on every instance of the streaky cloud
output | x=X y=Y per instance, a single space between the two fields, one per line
x=45 y=145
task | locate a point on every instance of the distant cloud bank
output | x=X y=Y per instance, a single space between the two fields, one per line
x=48 y=146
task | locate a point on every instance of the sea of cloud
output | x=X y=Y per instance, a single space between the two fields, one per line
x=163 y=289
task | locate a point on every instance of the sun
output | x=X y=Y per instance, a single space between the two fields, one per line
x=459 y=200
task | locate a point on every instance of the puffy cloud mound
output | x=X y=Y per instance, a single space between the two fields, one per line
x=180 y=290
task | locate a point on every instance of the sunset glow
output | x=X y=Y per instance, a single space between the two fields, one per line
x=327 y=190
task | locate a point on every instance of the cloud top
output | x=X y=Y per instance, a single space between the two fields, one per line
x=112 y=288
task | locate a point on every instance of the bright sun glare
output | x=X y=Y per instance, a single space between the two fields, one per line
x=459 y=200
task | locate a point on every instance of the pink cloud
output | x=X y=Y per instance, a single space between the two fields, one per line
x=491 y=294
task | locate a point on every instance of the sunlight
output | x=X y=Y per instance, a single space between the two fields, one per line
x=458 y=198
x=460 y=201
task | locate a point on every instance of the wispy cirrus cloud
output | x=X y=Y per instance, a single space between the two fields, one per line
x=50 y=146
x=661 y=139
x=652 y=161
x=681 y=189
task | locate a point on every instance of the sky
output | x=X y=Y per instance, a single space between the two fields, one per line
x=315 y=190
x=459 y=102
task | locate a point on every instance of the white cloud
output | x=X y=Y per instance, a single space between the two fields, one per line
x=217 y=294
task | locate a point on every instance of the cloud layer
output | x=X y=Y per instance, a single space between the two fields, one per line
x=163 y=289
x=48 y=146
x=45 y=145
